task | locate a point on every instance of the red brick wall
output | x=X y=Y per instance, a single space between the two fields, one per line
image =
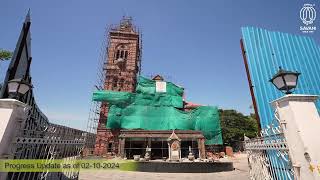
x=119 y=77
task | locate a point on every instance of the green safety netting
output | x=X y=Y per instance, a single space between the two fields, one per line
x=151 y=110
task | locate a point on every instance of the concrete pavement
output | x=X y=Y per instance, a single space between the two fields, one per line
x=240 y=173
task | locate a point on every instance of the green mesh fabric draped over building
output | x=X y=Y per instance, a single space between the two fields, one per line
x=150 y=110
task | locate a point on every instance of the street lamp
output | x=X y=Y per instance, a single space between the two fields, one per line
x=18 y=87
x=285 y=81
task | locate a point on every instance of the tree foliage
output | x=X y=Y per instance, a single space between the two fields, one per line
x=5 y=55
x=235 y=125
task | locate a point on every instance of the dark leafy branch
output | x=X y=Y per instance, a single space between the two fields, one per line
x=5 y=55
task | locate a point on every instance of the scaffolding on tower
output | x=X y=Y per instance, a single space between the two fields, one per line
x=98 y=109
x=94 y=112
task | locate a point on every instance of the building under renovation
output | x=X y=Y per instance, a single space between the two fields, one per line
x=136 y=113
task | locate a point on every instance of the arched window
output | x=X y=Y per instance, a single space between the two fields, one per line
x=118 y=54
x=121 y=54
x=115 y=83
x=122 y=51
x=121 y=83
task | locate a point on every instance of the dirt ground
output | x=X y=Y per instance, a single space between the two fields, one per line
x=240 y=173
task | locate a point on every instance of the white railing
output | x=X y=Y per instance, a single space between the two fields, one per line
x=268 y=156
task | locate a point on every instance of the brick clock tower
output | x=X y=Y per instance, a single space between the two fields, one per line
x=122 y=66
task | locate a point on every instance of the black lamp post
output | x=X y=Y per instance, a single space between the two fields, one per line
x=17 y=88
x=285 y=81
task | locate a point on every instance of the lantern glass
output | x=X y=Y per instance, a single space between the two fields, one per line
x=279 y=83
x=13 y=87
x=291 y=80
x=23 y=88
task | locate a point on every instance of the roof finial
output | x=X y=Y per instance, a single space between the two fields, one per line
x=28 y=17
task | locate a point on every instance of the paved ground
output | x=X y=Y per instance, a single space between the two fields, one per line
x=240 y=173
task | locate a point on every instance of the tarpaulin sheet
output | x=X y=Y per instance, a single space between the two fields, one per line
x=150 y=110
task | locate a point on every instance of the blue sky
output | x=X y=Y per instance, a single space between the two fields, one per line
x=192 y=43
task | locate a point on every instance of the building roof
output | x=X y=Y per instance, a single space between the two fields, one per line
x=191 y=105
x=158 y=78
x=173 y=136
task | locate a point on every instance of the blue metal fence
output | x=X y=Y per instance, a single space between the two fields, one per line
x=265 y=51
